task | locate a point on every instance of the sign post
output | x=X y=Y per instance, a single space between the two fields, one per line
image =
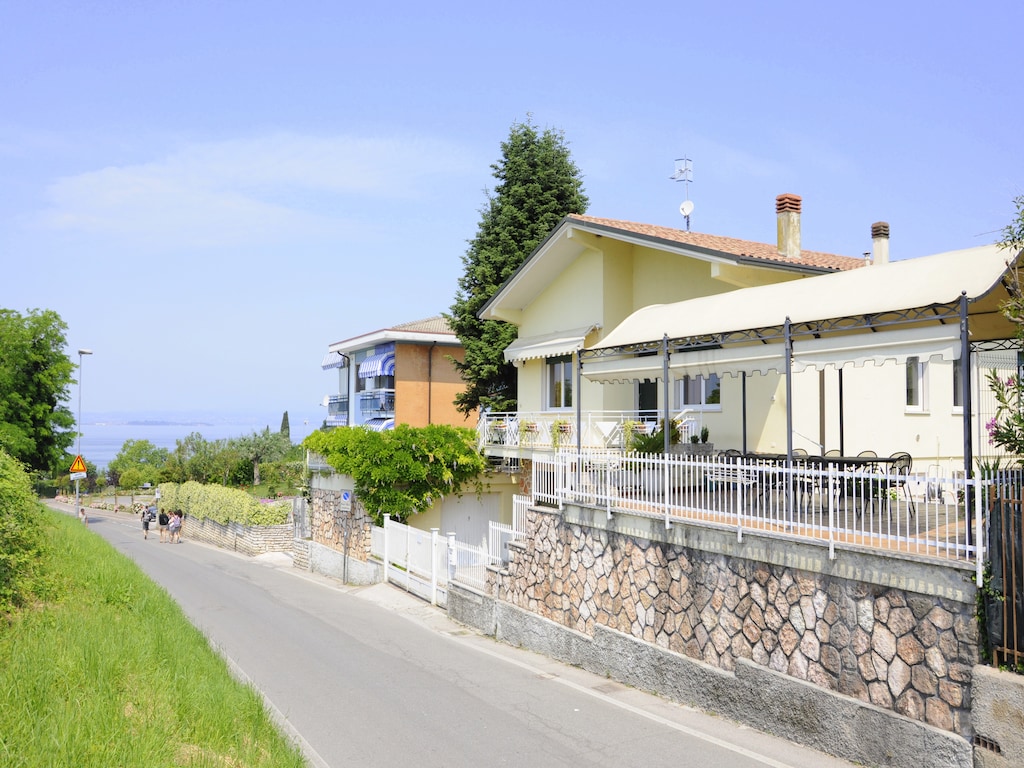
x=78 y=472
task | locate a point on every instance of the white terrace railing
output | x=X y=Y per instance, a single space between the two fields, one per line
x=425 y=562
x=554 y=430
x=829 y=504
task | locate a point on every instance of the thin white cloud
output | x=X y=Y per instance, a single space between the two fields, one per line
x=255 y=190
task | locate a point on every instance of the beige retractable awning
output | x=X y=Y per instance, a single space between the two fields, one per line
x=927 y=342
x=867 y=291
x=549 y=344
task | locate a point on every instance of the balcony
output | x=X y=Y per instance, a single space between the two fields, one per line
x=377 y=403
x=826 y=501
x=337 y=411
x=503 y=433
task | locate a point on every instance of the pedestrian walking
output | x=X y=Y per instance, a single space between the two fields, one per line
x=162 y=521
x=174 y=526
x=83 y=517
x=147 y=518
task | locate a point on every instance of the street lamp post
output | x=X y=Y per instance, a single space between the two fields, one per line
x=78 y=424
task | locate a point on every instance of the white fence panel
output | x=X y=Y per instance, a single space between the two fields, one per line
x=519 y=506
x=841 y=500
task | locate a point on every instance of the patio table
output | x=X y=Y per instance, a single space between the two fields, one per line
x=810 y=474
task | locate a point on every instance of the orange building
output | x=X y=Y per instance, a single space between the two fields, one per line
x=398 y=375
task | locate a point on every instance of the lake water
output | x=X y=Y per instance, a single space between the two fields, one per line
x=102 y=441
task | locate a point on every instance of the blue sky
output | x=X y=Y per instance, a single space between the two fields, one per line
x=209 y=193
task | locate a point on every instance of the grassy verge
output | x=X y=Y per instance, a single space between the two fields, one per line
x=109 y=672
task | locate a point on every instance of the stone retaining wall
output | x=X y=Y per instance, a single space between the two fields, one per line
x=751 y=693
x=329 y=524
x=249 y=540
x=890 y=632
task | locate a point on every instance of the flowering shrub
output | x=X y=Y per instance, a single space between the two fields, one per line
x=1006 y=428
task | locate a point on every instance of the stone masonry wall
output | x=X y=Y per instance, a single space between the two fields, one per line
x=328 y=524
x=895 y=648
x=249 y=540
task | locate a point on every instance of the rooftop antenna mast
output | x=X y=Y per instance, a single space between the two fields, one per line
x=684 y=173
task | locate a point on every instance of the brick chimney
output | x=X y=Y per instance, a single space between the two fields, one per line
x=788 y=209
x=880 y=242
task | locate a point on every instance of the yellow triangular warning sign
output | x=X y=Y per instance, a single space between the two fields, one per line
x=78 y=465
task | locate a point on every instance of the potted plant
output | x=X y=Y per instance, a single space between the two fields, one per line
x=655 y=441
x=630 y=431
x=528 y=430
x=699 y=444
x=560 y=429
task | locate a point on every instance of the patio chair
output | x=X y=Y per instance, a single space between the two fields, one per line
x=895 y=478
x=832 y=452
x=856 y=486
x=809 y=482
x=869 y=455
x=902 y=462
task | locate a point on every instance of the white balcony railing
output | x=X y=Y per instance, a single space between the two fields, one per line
x=834 y=505
x=554 y=430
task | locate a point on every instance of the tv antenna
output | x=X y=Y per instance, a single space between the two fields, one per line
x=684 y=173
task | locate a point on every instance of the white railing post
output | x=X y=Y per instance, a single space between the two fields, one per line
x=433 y=565
x=979 y=547
x=452 y=558
x=387 y=551
x=408 y=558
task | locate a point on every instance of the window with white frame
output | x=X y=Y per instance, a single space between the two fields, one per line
x=559 y=382
x=699 y=392
x=916 y=393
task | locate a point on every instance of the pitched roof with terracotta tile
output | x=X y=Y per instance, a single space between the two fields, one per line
x=438 y=324
x=730 y=246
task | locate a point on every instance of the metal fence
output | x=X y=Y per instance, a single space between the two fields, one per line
x=880 y=507
x=1003 y=594
x=425 y=562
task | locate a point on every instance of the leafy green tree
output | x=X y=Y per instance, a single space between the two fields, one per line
x=193 y=458
x=140 y=455
x=286 y=429
x=403 y=470
x=35 y=374
x=537 y=186
x=261 y=447
x=132 y=479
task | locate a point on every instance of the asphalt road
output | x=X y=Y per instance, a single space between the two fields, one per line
x=372 y=676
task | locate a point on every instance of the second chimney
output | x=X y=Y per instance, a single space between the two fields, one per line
x=880 y=242
x=788 y=209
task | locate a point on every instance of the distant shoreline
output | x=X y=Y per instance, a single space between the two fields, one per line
x=147 y=423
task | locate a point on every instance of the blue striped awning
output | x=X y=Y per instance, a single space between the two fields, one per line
x=382 y=364
x=379 y=425
x=333 y=360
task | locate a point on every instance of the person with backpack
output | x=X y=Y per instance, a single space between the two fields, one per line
x=147 y=518
x=162 y=521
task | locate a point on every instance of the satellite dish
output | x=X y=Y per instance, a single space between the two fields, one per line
x=686 y=207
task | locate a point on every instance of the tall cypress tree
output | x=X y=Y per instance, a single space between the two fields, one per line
x=537 y=185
